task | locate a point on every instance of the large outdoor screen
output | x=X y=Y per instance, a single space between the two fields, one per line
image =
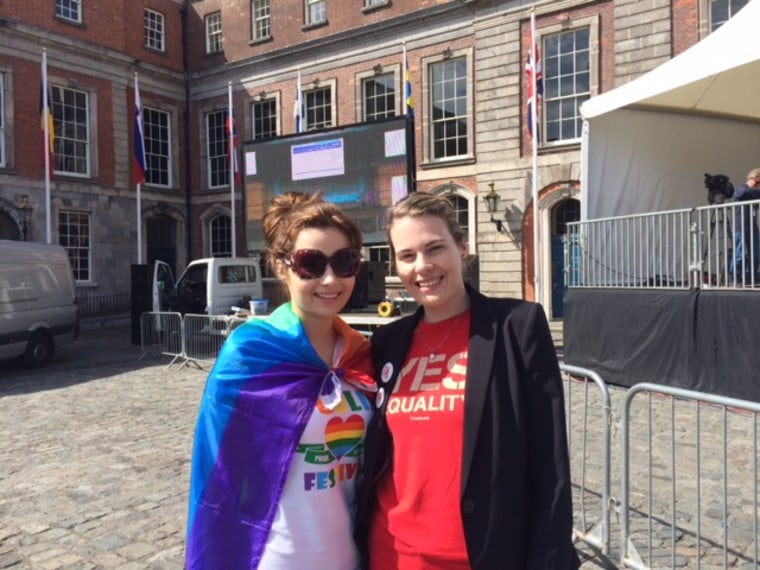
x=363 y=168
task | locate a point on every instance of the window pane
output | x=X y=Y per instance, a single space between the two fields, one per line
x=379 y=97
x=154 y=30
x=218 y=162
x=260 y=18
x=567 y=79
x=448 y=104
x=74 y=236
x=264 y=119
x=214 y=32
x=71 y=127
x=220 y=230
x=69 y=9
x=157 y=147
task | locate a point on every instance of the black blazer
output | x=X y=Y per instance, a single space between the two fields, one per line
x=516 y=502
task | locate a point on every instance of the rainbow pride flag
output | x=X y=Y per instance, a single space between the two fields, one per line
x=255 y=406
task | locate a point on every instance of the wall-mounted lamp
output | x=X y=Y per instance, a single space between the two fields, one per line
x=26 y=214
x=491 y=198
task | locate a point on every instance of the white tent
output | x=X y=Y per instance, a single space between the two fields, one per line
x=647 y=144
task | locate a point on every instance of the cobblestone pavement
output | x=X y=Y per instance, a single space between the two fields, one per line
x=95 y=450
x=94 y=458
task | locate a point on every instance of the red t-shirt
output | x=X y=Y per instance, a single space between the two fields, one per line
x=417 y=523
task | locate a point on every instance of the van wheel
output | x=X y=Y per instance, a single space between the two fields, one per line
x=38 y=351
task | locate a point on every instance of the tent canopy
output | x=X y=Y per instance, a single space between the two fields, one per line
x=647 y=144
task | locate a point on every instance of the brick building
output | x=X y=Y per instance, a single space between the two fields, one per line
x=467 y=66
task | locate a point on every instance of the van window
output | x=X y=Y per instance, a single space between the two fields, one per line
x=237 y=274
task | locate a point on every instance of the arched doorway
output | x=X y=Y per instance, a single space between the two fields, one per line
x=8 y=227
x=562 y=213
x=161 y=230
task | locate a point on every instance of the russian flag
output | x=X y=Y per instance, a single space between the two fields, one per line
x=139 y=157
x=233 y=145
x=298 y=114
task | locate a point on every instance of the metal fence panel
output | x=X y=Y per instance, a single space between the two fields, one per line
x=161 y=333
x=689 y=482
x=589 y=417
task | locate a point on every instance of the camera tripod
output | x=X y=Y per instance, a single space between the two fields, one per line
x=718 y=247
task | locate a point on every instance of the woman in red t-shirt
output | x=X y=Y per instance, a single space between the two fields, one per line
x=466 y=462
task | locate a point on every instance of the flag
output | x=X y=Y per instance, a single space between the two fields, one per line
x=408 y=100
x=232 y=145
x=535 y=77
x=298 y=113
x=139 y=158
x=46 y=116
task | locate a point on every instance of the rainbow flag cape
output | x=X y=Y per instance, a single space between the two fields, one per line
x=254 y=409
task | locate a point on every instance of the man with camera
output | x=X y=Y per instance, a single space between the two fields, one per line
x=744 y=265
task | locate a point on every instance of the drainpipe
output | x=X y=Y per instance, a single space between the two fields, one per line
x=188 y=169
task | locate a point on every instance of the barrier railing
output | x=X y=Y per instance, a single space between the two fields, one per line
x=697 y=503
x=716 y=246
x=191 y=338
x=161 y=333
x=589 y=415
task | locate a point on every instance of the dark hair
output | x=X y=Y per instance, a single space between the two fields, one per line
x=292 y=212
x=425 y=204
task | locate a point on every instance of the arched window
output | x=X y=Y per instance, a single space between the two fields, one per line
x=220 y=232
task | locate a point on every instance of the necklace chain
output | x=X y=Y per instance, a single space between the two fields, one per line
x=434 y=350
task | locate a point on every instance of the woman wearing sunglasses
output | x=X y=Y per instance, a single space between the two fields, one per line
x=466 y=463
x=282 y=419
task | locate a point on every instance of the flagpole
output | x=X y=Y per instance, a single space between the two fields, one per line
x=231 y=146
x=403 y=76
x=46 y=127
x=534 y=141
x=138 y=186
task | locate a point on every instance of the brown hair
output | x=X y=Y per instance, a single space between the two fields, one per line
x=424 y=204
x=292 y=212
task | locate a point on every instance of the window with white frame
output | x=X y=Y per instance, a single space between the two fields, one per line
x=566 y=62
x=316 y=12
x=721 y=11
x=74 y=236
x=319 y=111
x=157 y=135
x=260 y=21
x=264 y=117
x=449 y=116
x=154 y=30
x=2 y=120
x=218 y=162
x=69 y=10
x=214 y=32
x=71 y=122
x=220 y=236
x=379 y=96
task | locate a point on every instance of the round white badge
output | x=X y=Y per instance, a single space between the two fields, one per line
x=380 y=398
x=386 y=372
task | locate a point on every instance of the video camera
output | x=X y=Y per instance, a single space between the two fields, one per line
x=719 y=188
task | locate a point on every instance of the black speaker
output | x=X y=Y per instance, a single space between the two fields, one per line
x=142 y=297
x=375 y=281
x=360 y=296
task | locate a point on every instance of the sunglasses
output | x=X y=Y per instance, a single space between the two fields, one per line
x=312 y=263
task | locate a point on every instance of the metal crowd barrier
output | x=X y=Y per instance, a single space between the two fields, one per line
x=190 y=338
x=161 y=334
x=687 y=499
x=676 y=249
x=589 y=417
x=204 y=334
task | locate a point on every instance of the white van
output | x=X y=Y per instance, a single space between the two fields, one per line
x=38 y=309
x=209 y=286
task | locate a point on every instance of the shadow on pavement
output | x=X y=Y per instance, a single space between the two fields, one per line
x=97 y=353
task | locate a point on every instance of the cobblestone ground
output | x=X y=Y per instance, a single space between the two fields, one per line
x=95 y=449
x=94 y=458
